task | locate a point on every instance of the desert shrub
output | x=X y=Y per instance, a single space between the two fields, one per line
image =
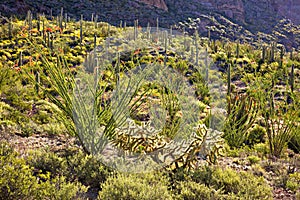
x=261 y=149
x=193 y=191
x=293 y=182
x=294 y=144
x=74 y=165
x=253 y=159
x=298 y=195
x=87 y=169
x=242 y=185
x=256 y=135
x=19 y=180
x=47 y=162
x=135 y=186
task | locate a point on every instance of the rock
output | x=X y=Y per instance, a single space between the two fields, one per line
x=156 y=3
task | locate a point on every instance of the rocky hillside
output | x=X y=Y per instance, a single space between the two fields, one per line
x=244 y=11
x=255 y=14
x=254 y=18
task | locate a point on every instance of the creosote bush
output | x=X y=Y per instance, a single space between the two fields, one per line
x=74 y=165
x=241 y=185
x=148 y=186
x=293 y=182
x=19 y=180
x=193 y=191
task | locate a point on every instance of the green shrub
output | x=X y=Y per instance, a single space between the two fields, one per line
x=261 y=149
x=20 y=181
x=243 y=185
x=135 y=187
x=256 y=135
x=47 y=162
x=293 y=182
x=294 y=144
x=87 y=169
x=194 y=191
x=253 y=159
x=242 y=112
x=74 y=165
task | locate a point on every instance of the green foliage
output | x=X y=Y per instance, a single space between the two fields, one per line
x=256 y=135
x=280 y=130
x=253 y=159
x=261 y=149
x=280 y=118
x=243 y=185
x=190 y=190
x=87 y=169
x=294 y=144
x=148 y=186
x=293 y=182
x=242 y=112
x=19 y=180
x=74 y=165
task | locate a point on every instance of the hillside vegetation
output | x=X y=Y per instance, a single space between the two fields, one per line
x=50 y=141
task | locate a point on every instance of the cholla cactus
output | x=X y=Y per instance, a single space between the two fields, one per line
x=205 y=144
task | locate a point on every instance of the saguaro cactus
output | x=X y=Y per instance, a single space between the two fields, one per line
x=264 y=48
x=292 y=77
x=166 y=46
x=281 y=56
x=10 y=28
x=272 y=58
x=61 y=18
x=96 y=21
x=197 y=48
x=38 y=23
x=229 y=79
x=21 y=59
x=29 y=19
x=37 y=82
x=81 y=22
x=238 y=49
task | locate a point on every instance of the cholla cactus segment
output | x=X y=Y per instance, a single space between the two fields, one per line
x=204 y=145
